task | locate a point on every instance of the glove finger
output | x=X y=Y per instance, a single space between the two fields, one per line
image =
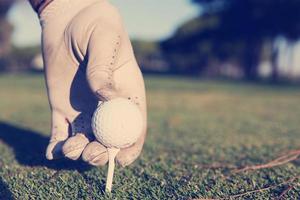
x=95 y=154
x=74 y=146
x=128 y=155
x=59 y=133
x=54 y=150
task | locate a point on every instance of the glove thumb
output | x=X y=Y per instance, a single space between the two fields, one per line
x=59 y=134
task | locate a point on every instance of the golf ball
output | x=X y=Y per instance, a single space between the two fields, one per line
x=117 y=123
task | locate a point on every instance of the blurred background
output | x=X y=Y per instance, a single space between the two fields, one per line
x=222 y=80
x=249 y=39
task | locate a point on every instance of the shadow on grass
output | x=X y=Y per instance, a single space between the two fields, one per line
x=29 y=149
x=4 y=191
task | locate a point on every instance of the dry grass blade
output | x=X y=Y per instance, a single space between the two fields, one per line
x=289 y=182
x=289 y=157
x=289 y=188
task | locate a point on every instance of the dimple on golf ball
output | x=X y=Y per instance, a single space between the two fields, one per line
x=117 y=123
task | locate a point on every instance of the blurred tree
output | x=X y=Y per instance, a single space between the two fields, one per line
x=5 y=31
x=235 y=29
x=5 y=5
x=21 y=58
x=150 y=57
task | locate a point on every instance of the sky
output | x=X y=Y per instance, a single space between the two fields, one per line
x=144 y=19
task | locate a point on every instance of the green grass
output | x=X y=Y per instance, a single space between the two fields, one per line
x=193 y=126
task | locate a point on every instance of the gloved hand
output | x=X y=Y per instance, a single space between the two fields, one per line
x=88 y=58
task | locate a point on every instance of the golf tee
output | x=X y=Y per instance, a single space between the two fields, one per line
x=112 y=153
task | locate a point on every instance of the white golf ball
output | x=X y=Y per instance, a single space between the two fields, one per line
x=117 y=123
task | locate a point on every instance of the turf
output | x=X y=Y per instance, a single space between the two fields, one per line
x=198 y=132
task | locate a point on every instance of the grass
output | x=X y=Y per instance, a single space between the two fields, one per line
x=194 y=127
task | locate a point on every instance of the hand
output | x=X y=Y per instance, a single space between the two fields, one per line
x=88 y=58
x=96 y=154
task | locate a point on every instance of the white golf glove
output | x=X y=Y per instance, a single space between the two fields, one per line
x=88 y=58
